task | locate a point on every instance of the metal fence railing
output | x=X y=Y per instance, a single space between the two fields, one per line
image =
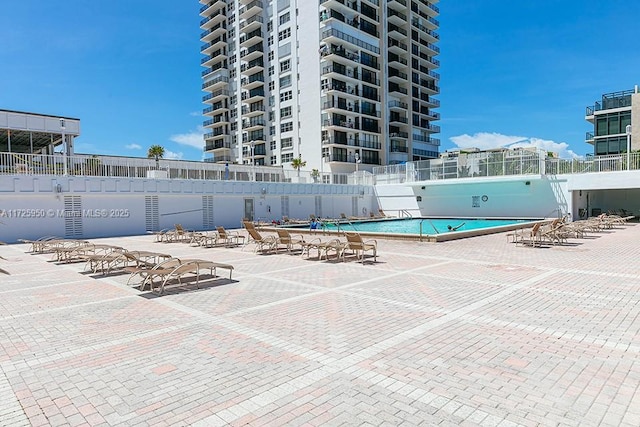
x=472 y=165
x=502 y=163
x=138 y=167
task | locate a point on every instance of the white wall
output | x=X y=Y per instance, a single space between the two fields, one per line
x=495 y=197
x=34 y=206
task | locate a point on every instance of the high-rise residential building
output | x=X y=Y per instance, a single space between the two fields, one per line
x=340 y=84
x=610 y=117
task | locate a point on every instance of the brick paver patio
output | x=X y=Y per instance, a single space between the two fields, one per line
x=468 y=332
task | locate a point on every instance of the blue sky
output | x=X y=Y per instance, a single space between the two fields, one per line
x=130 y=70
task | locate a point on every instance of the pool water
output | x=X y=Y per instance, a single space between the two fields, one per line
x=429 y=226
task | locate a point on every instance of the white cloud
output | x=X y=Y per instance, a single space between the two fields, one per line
x=192 y=139
x=486 y=140
x=196 y=113
x=172 y=155
x=133 y=147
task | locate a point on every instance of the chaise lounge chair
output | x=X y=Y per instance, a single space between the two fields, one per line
x=285 y=238
x=359 y=246
x=268 y=242
x=229 y=238
x=530 y=237
x=176 y=269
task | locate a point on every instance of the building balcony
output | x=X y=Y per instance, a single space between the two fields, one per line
x=342 y=6
x=397 y=76
x=396 y=46
x=430 y=35
x=253 y=110
x=398 y=148
x=351 y=140
x=398 y=120
x=251 y=38
x=215 y=18
x=218 y=95
x=256 y=137
x=350 y=43
x=396 y=18
x=254 y=52
x=339 y=71
x=397 y=61
x=343 y=105
x=215 y=83
x=217 y=121
x=426 y=139
x=215 y=133
x=251 y=9
x=251 y=23
x=253 y=95
x=399 y=5
x=209 y=7
x=590 y=138
x=399 y=135
x=215 y=109
x=432 y=8
x=253 y=81
x=216 y=57
x=215 y=31
x=217 y=43
x=252 y=67
x=340 y=124
x=253 y=124
x=396 y=90
x=220 y=144
x=340 y=55
x=398 y=106
x=396 y=32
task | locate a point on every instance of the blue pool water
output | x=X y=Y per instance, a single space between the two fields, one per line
x=429 y=226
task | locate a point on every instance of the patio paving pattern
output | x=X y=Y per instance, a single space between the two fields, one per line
x=475 y=332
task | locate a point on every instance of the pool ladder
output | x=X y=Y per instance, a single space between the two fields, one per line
x=434 y=227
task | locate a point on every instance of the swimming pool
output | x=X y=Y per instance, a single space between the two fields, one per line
x=429 y=226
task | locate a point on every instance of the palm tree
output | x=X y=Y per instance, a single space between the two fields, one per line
x=298 y=164
x=156 y=152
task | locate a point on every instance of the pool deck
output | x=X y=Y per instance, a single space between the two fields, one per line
x=467 y=332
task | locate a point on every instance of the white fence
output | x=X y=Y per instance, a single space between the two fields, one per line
x=502 y=163
x=137 y=167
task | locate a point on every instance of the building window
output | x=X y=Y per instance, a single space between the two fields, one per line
x=286 y=157
x=273 y=145
x=285 y=65
x=285 y=81
x=286 y=127
x=286 y=142
x=274 y=160
x=232 y=73
x=269 y=26
x=284 y=34
x=272 y=130
x=284 y=18
x=286 y=96
x=271 y=70
x=285 y=112
x=232 y=33
x=272 y=85
x=271 y=55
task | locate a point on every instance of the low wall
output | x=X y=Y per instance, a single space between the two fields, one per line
x=33 y=206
